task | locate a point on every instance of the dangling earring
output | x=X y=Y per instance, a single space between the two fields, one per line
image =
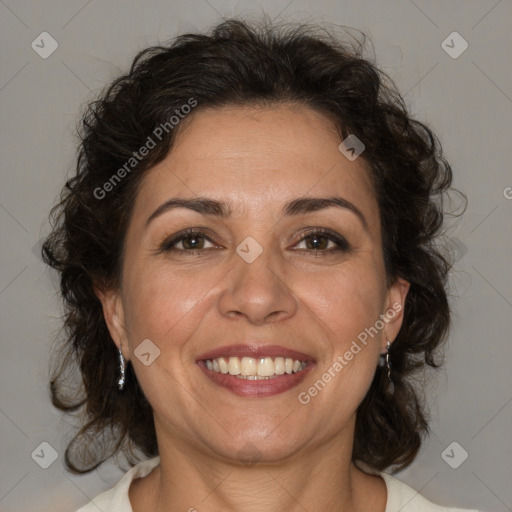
x=122 y=367
x=388 y=366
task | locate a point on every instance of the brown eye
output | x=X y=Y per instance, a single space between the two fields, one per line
x=317 y=242
x=188 y=241
x=192 y=242
x=323 y=241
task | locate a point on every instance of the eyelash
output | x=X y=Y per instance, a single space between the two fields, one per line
x=342 y=245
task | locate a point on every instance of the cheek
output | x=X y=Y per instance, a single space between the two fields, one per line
x=161 y=303
x=346 y=301
x=346 y=304
x=166 y=307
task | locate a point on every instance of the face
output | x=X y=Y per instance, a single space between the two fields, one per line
x=275 y=276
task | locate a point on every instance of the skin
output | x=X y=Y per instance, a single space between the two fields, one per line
x=256 y=159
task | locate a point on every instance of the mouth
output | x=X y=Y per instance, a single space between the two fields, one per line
x=255 y=371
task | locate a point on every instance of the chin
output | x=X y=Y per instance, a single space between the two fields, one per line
x=250 y=449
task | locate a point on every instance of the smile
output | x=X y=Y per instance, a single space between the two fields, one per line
x=255 y=371
x=251 y=368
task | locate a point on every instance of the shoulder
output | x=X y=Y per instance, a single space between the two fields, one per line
x=117 y=499
x=402 y=498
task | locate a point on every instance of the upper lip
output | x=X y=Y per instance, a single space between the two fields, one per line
x=255 y=351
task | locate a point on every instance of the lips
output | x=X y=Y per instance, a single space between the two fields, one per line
x=255 y=386
x=255 y=351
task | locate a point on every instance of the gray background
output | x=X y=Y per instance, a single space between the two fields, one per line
x=466 y=100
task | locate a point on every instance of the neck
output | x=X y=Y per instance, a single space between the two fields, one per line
x=323 y=478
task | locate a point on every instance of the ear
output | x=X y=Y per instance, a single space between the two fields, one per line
x=113 y=313
x=393 y=315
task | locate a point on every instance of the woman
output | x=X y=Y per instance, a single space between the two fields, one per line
x=247 y=257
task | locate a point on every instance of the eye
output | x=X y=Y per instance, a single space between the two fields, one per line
x=191 y=241
x=323 y=240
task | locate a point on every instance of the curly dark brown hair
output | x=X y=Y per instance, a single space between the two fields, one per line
x=242 y=64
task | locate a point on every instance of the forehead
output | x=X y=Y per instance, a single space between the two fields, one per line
x=273 y=137
x=256 y=158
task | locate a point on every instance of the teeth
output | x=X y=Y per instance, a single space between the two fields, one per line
x=234 y=366
x=255 y=377
x=279 y=366
x=223 y=365
x=266 y=367
x=251 y=368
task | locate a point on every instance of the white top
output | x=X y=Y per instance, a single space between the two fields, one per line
x=401 y=497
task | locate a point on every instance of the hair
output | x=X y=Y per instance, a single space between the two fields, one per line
x=239 y=64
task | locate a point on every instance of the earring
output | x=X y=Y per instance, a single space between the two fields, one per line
x=388 y=366
x=122 y=367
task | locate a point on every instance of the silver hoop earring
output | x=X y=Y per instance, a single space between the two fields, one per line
x=122 y=367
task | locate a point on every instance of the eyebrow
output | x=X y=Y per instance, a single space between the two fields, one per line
x=222 y=210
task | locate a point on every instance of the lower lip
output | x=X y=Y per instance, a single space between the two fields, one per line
x=257 y=388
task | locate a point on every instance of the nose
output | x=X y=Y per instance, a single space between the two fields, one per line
x=258 y=291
